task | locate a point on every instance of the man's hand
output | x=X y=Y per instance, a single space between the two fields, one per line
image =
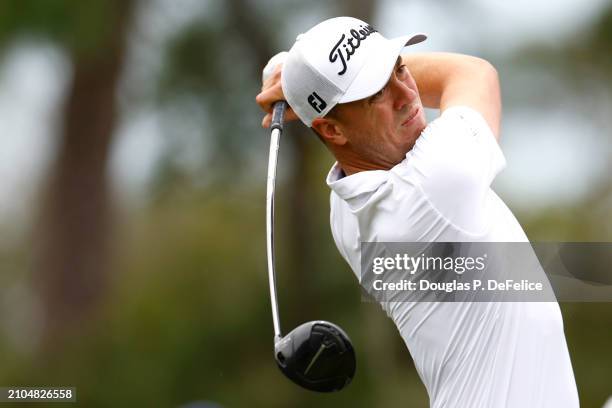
x=272 y=91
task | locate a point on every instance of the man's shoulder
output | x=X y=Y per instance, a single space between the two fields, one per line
x=459 y=121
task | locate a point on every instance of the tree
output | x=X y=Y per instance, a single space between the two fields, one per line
x=72 y=237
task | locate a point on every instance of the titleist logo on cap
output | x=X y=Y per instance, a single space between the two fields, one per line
x=343 y=50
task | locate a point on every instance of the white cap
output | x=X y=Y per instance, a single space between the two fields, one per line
x=340 y=60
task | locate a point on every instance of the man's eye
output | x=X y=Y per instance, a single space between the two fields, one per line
x=401 y=71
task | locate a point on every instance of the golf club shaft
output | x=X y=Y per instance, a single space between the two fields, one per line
x=277 y=128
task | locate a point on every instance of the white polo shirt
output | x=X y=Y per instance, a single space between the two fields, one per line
x=489 y=354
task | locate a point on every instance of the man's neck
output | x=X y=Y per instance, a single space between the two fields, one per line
x=351 y=162
x=349 y=169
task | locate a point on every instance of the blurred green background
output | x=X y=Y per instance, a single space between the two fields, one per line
x=133 y=164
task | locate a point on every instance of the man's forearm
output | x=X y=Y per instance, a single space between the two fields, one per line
x=446 y=79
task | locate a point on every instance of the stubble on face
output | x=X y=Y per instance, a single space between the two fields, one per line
x=378 y=134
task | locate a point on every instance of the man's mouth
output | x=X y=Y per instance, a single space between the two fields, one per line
x=412 y=116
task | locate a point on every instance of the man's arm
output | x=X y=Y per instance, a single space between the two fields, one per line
x=446 y=80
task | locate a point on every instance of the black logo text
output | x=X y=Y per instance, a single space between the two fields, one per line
x=349 y=46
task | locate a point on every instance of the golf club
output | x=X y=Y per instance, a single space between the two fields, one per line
x=316 y=355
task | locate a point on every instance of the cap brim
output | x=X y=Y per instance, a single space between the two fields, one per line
x=377 y=71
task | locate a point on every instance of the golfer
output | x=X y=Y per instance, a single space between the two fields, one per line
x=399 y=179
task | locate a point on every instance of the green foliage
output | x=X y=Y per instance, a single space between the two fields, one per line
x=80 y=26
x=584 y=61
x=207 y=87
x=189 y=318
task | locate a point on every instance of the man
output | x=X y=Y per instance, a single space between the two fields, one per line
x=399 y=179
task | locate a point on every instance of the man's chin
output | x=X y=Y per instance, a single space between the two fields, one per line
x=421 y=124
x=411 y=136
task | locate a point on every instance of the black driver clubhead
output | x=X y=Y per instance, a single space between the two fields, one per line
x=318 y=356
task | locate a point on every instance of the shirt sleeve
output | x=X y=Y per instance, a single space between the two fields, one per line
x=454 y=162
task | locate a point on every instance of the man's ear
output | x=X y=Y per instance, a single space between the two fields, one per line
x=330 y=131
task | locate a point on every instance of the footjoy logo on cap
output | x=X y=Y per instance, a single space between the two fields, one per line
x=316 y=102
x=350 y=45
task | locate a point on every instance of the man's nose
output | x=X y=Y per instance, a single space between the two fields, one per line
x=403 y=95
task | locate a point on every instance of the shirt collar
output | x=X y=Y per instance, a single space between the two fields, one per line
x=351 y=186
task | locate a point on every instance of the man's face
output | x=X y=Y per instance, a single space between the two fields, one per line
x=381 y=129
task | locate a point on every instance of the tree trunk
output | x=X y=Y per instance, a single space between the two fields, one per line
x=72 y=241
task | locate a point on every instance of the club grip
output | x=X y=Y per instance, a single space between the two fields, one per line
x=278 y=114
